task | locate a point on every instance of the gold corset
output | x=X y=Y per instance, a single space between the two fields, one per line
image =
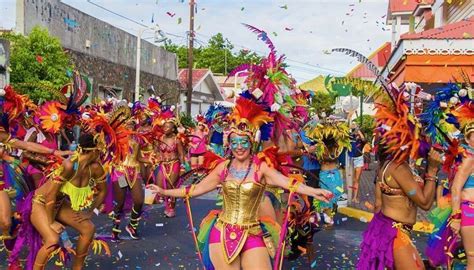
x=241 y=202
x=132 y=157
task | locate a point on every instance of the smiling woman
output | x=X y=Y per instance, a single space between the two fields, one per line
x=236 y=237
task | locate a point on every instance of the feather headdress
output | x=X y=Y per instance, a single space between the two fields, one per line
x=247 y=118
x=399 y=130
x=111 y=133
x=65 y=112
x=51 y=116
x=330 y=138
x=269 y=84
x=12 y=106
x=439 y=124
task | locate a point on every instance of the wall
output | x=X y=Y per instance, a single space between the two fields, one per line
x=74 y=28
x=105 y=53
x=108 y=74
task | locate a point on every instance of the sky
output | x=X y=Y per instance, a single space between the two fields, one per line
x=303 y=30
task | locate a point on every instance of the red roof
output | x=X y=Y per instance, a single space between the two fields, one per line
x=395 y=6
x=458 y=30
x=379 y=58
x=198 y=75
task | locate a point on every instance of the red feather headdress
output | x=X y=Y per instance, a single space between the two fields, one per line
x=247 y=117
x=464 y=113
x=111 y=133
x=13 y=105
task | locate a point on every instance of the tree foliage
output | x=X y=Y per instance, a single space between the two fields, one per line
x=366 y=124
x=219 y=55
x=323 y=103
x=37 y=62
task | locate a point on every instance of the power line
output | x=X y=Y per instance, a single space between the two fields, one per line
x=289 y=59
x=118 y=14
x=204 y=43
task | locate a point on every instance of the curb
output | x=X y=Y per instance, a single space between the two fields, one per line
x=364 y=216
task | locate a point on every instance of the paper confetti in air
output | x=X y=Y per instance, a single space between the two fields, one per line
x=120 y=254
x=159 y=225
x=313 y=264
x=96 y=211
x=412 y=192
x=340 y=189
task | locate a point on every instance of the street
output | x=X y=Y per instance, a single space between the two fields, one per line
x=167 y=243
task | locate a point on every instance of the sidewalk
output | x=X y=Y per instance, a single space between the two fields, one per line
x=367 y=193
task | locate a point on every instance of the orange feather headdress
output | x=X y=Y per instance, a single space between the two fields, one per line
x=111 y=133
x=247 y=118
x=399 y=130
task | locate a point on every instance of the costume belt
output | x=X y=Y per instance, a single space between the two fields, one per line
x=407 y=229
x=234 y=236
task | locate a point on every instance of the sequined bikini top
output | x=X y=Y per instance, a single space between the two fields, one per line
x=165 y=148
x=391 y=191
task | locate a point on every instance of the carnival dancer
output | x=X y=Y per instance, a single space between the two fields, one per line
x=216 y=121
x=171 y=156
x=399 y=190
x=198 y=142
x=45 y=133
x=233 y=238
x=462 y=189
x=127 y=176
x=74 y=191
x=331 y=137
x=12 y=110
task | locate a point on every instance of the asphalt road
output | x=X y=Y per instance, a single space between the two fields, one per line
x=167 y=243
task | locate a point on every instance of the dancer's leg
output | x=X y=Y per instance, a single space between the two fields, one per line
x=119 y=199
x=405 y=254
x=39 y=219
x=138 y=197
x=256 y=259
x=5 y=213
x=467 y=233
x=86 y=231
x=218 y=260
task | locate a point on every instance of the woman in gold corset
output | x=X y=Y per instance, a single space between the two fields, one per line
x=235 y=237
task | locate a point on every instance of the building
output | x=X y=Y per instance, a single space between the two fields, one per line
x=231 y=87
x=104 y=53
x=438 y=45
x=206 y=90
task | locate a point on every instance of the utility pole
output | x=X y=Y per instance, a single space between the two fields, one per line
x=189 y=95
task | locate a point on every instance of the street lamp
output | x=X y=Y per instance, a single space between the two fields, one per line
x=158 y=37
